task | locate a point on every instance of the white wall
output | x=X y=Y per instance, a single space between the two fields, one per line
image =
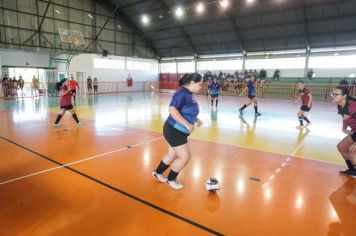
x=84 y=63
x=17 y=58
x=20 y=58
x=323 y=64
x=344 y=72
x=286 y=72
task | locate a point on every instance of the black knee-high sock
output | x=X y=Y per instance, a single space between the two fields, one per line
x=75 y=118
x=255 y=109
x=306 y=119
x=300 y=120
x=243 y=107
x=212 y=101
x=162 y=167
x=350 y=165
x=172 y=175
x=59 y=117
x=216 y=102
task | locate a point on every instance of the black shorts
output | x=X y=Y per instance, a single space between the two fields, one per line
x=68 y=107
x=353 y=137
x=173 y=136
x=251 y=97
x=214 y=95
x=74 y=91
x=305 y=108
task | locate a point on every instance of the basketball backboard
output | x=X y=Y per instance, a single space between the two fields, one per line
x=71 y=36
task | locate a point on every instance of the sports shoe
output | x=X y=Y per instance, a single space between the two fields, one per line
x=79 y=124
x=174 y=184
x=348 y=172
x=159 y=177
x=56 y=125
x=257 y=114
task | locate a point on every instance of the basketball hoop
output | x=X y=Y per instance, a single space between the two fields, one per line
x=72 y=37
x=73 y=40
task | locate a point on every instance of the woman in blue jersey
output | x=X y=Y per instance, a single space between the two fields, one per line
x=183 y=114
x=251 y=94
x=214 y=90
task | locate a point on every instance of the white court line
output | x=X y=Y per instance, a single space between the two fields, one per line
x=76 y=162
x=288 y=159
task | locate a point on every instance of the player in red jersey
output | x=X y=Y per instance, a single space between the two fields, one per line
x=73 y=86
x=307 y=99
x=65 y=102
x=347 y=109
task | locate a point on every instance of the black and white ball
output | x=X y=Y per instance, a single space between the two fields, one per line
x=212 y=185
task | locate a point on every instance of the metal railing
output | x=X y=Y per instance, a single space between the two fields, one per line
x=14 y=90
x=320 y=92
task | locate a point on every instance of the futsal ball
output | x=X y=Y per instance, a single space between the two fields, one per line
x=212 y=185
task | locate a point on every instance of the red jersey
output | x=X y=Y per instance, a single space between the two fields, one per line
x=304 y=96
x=349 y=110
x=65 y=100
x=73 y=84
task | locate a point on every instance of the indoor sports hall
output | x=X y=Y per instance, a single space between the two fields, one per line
x=116 y=68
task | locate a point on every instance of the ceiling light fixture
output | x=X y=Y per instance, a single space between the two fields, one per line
x=57 y=11
x=200 y=7
x=224 y=3
x=90 y=16
x=179 y=12
x=145 y=19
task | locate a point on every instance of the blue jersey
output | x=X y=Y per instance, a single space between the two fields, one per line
x=214 y=88
x=251 y=86
x=183 y=100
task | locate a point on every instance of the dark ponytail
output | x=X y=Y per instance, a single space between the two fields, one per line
x=188 y=78
x=345 y=91
x=60 y=84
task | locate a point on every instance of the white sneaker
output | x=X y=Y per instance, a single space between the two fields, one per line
x=174 y=184
x=56 y=125
x=159 y=177
x=79 y=124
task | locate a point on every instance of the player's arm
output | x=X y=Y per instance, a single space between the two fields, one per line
x=345 y=125
x=65 y=92
x=310 y=100
x=178 y=117
x=243 y=91
x=199 y=122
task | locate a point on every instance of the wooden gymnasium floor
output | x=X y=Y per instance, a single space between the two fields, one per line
x=96 y=179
